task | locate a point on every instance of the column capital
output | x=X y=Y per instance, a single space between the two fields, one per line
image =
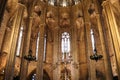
x=20 y=4
x=42 y=25
x=105 y=3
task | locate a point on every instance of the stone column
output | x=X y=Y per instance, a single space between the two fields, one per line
x=108 y=69
x=9 y=71
x=74 y=50
x=89 y=51
x=82 y=55
x=2 y=9
x=26 y=44
x=39 y=70
x=107 y=64
x=56 y=71
x=112 y=25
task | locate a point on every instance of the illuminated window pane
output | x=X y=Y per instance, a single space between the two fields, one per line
x=93 y=40
x=76 y=1
x=45 y=43
x=37 y=46
x=19 y=42
x=51 y=2
x=65 y=43
x=34 y=77
x=64 y=3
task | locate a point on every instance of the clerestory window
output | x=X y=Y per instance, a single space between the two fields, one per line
x=19 y=41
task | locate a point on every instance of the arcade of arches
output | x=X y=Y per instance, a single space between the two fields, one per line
x=59 y=40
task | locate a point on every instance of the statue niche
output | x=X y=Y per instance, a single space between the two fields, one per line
x=65 y=20
x=50 y=20
x=92 y=13
x=80 y=27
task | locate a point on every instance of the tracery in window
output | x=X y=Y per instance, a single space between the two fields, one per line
x=51 y=2
x=64 y=3
x=76 y=1
x=19 y=41
x=65 y=45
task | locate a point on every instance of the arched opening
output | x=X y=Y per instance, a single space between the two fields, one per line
x=32 y=75
x=65 y=74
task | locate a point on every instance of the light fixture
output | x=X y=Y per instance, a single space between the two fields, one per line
x=95 y=56
x=29 y=57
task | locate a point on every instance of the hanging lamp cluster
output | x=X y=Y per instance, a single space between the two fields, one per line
x=29 y=57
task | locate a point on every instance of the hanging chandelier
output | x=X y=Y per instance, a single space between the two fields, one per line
x=95 y=56
x=29 y=57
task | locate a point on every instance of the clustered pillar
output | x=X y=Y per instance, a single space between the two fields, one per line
x=107 y=64
x=112 y=25
x=25 y=51
x=14 y=35
x=39 y=69
x=91 y=65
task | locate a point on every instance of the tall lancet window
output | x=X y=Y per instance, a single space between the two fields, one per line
x=93 y=41
x=45 y=45
x=37 y=45
x=19 y=41
x=65 y=44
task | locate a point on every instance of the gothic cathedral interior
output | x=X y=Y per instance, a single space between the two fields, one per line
x=59 y=40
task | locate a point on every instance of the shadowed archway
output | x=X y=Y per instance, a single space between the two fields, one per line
x=32 y=75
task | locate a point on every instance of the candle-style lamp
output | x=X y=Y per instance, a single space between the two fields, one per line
x=95 y=56
x=29 y=57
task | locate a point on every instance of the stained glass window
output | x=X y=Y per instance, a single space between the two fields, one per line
x=19 y=41
x=65 y=43
x=37 y=45
x=93 y=41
